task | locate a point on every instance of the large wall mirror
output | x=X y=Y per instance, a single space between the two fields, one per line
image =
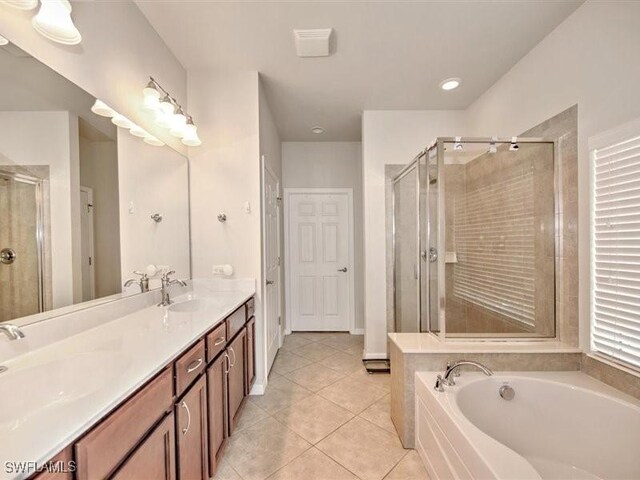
x=77 y=197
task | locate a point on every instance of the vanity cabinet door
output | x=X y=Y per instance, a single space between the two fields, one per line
x=192 y=431
x=217 y=404
x=250 y=355
x=155 y=457
x=236 y=377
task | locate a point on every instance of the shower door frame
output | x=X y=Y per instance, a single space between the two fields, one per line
x=38 y=184
x=439 y=144
x=406 y=170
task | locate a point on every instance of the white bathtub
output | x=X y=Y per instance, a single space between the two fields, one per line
x=560 y=425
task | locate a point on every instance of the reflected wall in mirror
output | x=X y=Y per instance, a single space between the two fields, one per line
x=499 y=210
x=77 y=195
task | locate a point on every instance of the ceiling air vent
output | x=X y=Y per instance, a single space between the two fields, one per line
x=312 y=42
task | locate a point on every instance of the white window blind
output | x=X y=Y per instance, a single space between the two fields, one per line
x=494 y=243
x=615 y=247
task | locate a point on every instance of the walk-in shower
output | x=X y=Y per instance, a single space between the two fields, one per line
x=21 y=245
x=474 y=239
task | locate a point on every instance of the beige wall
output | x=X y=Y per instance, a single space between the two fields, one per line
x=331 y=165
x=99 y=171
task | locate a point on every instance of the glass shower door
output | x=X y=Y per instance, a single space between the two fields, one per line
x=20 y=246
x=405 y=206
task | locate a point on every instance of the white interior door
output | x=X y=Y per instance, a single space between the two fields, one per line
x=319 y=256
x=87 y=246
x=272 y=263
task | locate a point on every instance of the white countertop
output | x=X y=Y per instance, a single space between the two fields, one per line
x=429 y=343
x=51 y=395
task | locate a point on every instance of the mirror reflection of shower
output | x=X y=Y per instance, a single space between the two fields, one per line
x=22 y=243
x=474 y=239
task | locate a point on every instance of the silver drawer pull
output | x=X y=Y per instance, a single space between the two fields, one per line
x=193 y=366
x=184 y=405
x=234 y=357
x=219 y=341
x=228 y=363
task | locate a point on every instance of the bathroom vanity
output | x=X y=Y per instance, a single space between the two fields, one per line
x=175 y=419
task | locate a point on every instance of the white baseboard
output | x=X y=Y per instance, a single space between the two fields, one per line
x=357 y=331
x=375 y=356
x=257 y=389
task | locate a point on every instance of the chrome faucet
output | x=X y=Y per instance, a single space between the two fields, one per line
x=166 y=282
x=142 y=282
x=452 y=371
x=11 y=331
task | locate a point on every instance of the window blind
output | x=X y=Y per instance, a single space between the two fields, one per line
x=494 y=243
x=615 y=249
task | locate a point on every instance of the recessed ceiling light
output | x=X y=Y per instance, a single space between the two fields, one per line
x=450 y=83
x=317 y=130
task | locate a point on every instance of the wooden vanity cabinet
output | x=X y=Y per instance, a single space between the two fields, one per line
x=217 y=405
x=236 y=377
x=192 y=432
x=154 y=458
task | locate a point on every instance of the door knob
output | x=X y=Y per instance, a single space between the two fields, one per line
x=269 y=282
x=343 y=269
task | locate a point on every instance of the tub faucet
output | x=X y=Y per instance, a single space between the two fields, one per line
x=452 y=371
x=166 y=282
x=11 y=331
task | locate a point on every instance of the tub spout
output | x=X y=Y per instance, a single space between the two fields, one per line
x=451 y=370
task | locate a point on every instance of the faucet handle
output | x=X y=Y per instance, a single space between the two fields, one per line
x=166 y=275
x=439 y=386
x=143 y=275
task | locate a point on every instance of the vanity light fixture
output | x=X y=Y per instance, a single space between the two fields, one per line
x=54 y=22
x=3 y=41
x=169 y=113
x=104 y=110
x=450 y=84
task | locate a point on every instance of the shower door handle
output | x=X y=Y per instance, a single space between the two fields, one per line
x=433 y=255
x=343 y=269
x=7 y=256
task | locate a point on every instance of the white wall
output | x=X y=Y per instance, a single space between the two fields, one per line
x=53 y=147
x=119 y=51
x=225 y=174
x=591 y=59
x=390 y=137
x=152 y=180
x=331 y=165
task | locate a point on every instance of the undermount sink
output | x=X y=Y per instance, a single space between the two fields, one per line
x=188 y=306
x=30 y=386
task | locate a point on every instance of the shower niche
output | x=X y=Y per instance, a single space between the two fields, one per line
x=474 y=239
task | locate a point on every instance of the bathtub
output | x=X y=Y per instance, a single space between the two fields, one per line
x=559 y=425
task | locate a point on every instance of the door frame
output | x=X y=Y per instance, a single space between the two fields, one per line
x=263 y=287
x=288 y=192
x=92 y=244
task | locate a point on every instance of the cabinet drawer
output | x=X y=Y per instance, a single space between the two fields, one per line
x=251 y=307
x=236 y=321
x=216 y=341
x=107 y=445
x=189 y=366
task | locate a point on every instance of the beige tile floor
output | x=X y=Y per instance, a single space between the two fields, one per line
x=322 y=417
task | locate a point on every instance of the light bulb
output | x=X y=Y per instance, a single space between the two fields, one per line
x=151 y=140
x=3 y=41
x=137 y=131
x=192 y=140
x=122 y=121
x=54 y=22
x=164 y=120
x=166 y=105
x=178 y=122
x=151 y=90
x=21 y=4
x=102 y=109
x=151 y=103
